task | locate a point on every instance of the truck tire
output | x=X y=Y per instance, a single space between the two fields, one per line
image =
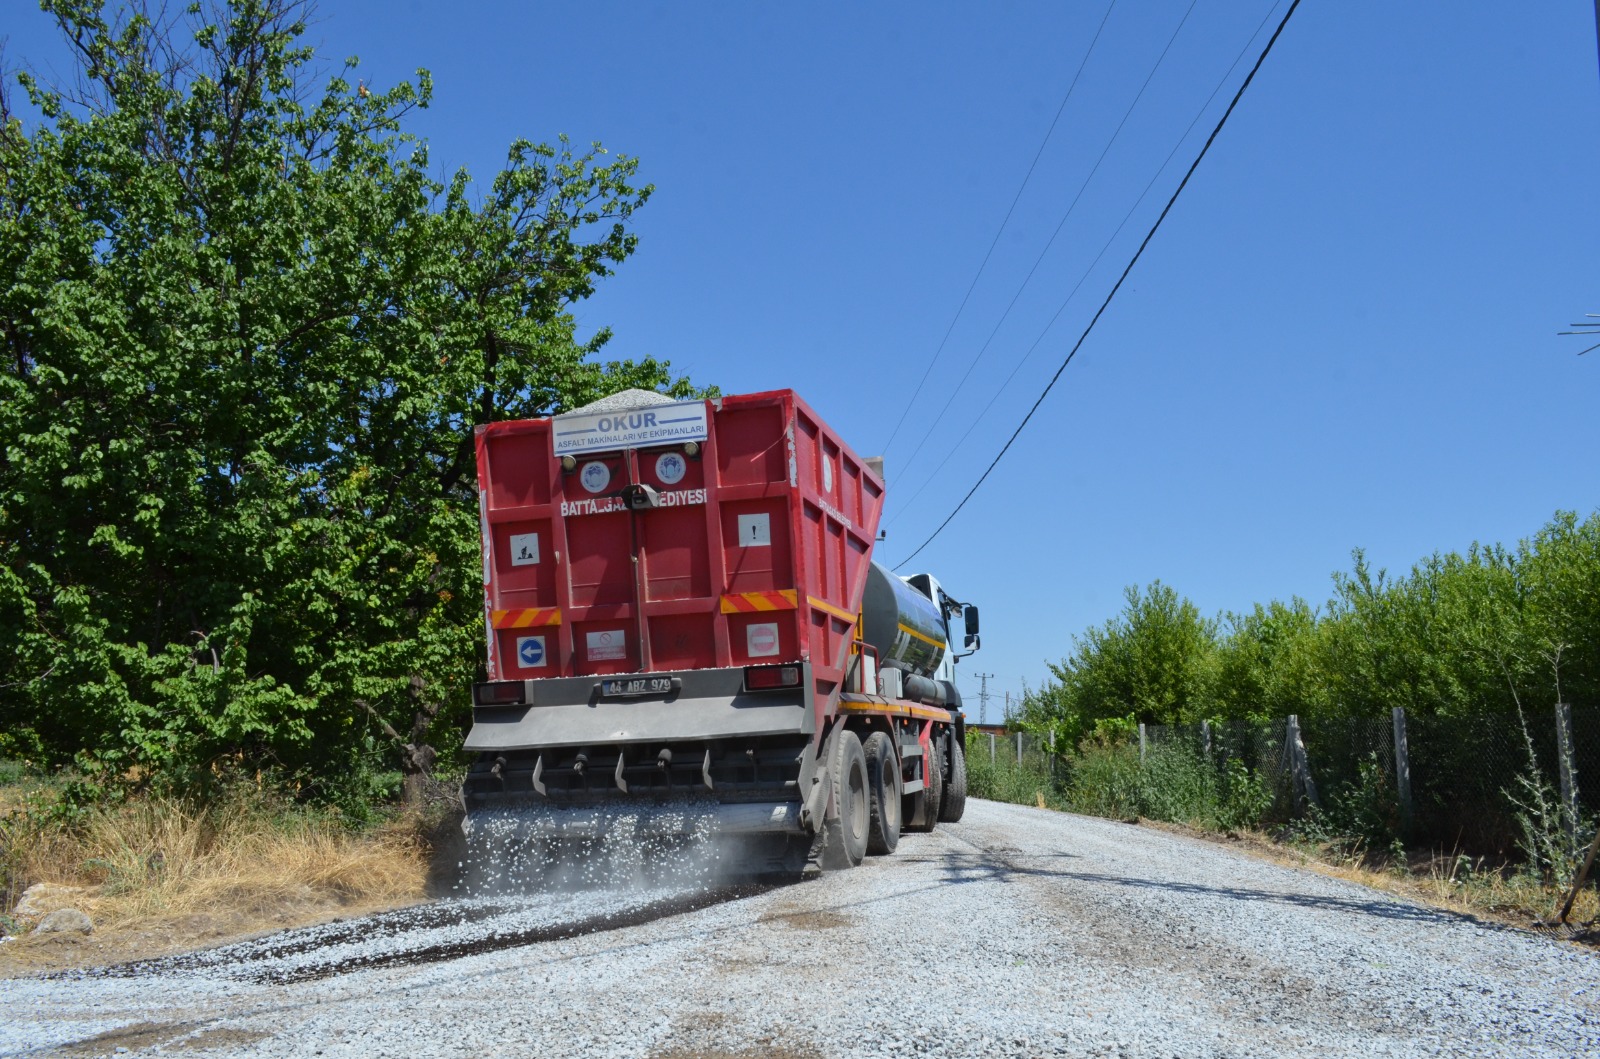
x=845 y=841
x=955 y=787
x=883 y=781
x=928 y=800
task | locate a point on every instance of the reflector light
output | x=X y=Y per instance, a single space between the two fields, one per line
x=499 y=693
x=767 y=678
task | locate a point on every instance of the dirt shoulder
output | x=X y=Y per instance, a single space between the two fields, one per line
x=1427 y=879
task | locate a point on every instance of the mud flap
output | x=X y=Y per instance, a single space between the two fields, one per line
x=827 y=845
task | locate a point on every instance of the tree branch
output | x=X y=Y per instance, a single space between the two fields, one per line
x=388 y=729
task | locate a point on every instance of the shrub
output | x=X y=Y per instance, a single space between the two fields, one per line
x=1179 y=785
x=1105 y=780
x=1367 y=809
x=1246 y=798
x=1006 y=781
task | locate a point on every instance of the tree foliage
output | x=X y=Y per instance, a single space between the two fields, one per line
x=1484 y=631
x=247 y=334
x=1147 y=664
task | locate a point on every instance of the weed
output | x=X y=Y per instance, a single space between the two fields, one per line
x=1246 y=798
x=1368 y=809
x=1005 y=779
x=1105 y=780
x=1179 y=785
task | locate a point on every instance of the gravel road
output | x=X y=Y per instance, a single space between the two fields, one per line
x=1016 y=932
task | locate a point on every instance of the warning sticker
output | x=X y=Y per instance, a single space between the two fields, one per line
x=761 y=640
x=609 y=644
x=524 y=549
x=530 y=651
x=755 y=531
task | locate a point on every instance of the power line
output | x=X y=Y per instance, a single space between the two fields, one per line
x=933 y=421
x=1597 y=22
x=1126 y=217
x=910 y=404
x=1117 y=286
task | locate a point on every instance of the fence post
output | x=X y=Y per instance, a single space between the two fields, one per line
x=991 y=748
x=1205 y=737
x=1402 y=770
x=1304 y=786
x=1569 y=778
x=1141 y=742
x=1052 y=753
x=1019 y=749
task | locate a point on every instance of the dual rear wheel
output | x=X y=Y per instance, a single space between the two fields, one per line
x=870 y=800
x=883 y=781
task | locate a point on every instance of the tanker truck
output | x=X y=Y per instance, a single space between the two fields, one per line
x=682 y=610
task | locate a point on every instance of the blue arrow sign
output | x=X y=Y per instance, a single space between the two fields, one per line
x=530 y=650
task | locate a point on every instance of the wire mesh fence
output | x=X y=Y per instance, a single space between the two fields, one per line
x=1454 y=782
x=1017 y=750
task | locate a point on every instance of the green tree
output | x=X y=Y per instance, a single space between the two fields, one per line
x=1151 y=662
x=1269 y=663
x=247 y=336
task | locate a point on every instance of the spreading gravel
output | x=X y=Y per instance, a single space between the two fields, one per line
x=1016 y=932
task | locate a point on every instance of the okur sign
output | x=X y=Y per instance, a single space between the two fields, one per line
x=662 y=424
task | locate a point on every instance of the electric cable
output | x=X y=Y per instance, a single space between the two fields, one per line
x=912 y=402
x=1126 y=217
x=1250 y=77
x=933 y=421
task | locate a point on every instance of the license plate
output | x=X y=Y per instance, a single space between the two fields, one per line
x=637 y=686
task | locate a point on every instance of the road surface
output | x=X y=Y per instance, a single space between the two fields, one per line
x=1016 y=932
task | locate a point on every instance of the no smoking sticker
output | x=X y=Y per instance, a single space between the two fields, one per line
x=607 y=644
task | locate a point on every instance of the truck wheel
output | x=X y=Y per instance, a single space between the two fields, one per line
x=927 y=801
x=845 y=843
x=955 y=788
x=883 y=780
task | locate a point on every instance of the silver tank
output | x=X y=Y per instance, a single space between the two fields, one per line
x=903 y=624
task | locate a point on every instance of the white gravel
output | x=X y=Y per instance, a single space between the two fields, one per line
x=1016 y=932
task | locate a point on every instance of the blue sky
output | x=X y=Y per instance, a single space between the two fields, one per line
x=1343 y=336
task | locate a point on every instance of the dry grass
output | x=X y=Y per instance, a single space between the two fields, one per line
x=1466 y=885
x=152 y=860
x=1453 y=882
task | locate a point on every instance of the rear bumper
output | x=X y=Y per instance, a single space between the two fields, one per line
x=752 y=752
x=706 y=704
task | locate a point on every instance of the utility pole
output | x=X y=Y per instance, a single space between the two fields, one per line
x=983 y=697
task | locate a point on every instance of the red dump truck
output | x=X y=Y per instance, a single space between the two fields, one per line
x=681 y=606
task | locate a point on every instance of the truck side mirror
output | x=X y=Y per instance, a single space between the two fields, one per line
x=970 y=612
